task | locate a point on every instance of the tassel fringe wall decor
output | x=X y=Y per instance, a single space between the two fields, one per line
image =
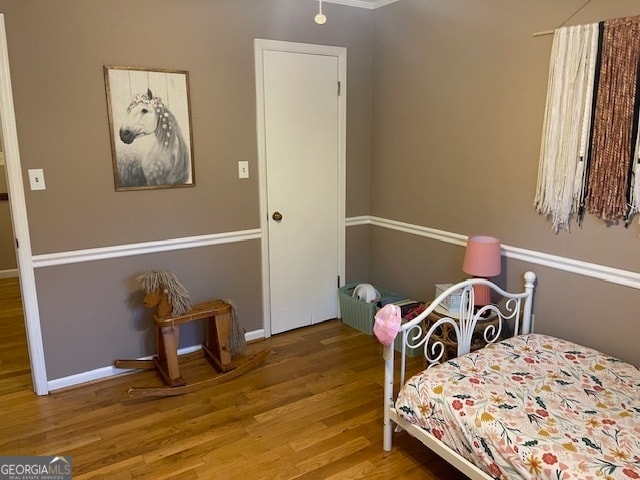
x=613 y=141
x=589 y=149
x=566 y=125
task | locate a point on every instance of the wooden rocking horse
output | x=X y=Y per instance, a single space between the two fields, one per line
x=224 y=337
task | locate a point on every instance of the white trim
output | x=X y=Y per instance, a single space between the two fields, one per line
x=443 y=236
x=91 y=254
x=9 y=273
x=110 y=371
x=618 y=276
x=368 y=4
x=354 y=221
x=20 y=223
x=262 y=191
x=260 y=46
x=608 y=274
x=255 y=335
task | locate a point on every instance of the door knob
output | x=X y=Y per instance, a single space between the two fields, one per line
x=277 y=216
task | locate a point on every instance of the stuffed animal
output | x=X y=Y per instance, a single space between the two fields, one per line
x=365 y=292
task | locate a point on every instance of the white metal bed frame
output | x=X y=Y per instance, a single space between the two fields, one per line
x=517 y=308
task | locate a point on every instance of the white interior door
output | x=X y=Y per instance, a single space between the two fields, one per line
x=302 y=143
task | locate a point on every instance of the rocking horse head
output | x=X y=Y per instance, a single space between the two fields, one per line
x=162 y=289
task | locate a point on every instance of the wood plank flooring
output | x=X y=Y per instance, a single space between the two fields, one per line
x=313 y=410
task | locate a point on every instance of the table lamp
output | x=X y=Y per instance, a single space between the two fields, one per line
x=482 y=260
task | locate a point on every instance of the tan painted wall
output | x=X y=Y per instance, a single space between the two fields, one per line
x=89 y=312
x=7 y=251
x=456 y=92
x=459 y=94
x=57 y=51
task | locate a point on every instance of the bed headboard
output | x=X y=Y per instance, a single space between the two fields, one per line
x=511 y=310
x=515 y=308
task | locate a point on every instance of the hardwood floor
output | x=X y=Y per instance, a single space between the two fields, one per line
x=313 y=410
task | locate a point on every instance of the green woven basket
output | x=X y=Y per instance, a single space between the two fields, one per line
x=357 y=314
x=361 y=315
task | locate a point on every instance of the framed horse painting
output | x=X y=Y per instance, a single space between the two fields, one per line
x=150 y=127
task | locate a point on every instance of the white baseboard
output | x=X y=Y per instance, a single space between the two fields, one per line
x=110 y=371
x=255 y=335
x=9 y=273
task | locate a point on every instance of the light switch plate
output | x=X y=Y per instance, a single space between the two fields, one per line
x=36 y=179
x=243 y=169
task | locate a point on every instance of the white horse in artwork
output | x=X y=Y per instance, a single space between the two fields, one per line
x=163 y=156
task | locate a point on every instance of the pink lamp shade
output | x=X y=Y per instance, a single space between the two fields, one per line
x=482 y=259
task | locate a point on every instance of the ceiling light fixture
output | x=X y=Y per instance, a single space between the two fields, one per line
x=320 y=18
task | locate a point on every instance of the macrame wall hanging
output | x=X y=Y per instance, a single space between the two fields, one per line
x=590 y=150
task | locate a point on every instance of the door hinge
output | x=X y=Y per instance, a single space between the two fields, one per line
x=338 y=281
x=339 y=88
x=17 y=243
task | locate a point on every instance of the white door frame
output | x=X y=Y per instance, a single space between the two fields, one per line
x=19 y=218
x=260 y=45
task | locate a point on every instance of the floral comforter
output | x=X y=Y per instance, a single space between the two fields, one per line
x=533 y=407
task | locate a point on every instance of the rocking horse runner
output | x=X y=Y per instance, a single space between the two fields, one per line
x=224 y=337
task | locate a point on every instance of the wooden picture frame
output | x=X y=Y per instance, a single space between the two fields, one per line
x=150 y=127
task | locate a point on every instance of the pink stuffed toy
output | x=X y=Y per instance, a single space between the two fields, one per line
x=387 y=324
